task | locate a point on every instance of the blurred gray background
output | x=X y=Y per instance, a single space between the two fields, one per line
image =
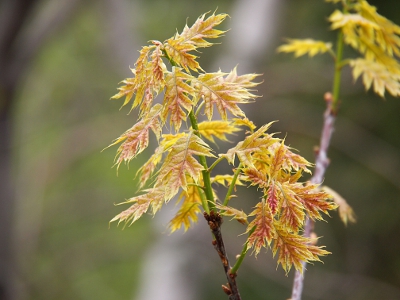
x=61 y=61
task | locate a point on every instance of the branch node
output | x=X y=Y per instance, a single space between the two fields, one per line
x=226 y=290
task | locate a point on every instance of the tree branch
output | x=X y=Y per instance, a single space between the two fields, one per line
x=215 y=221
x=321 y=164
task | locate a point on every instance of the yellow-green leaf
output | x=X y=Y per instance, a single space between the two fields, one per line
x=377 y=76
x=346 y=212
x=218 y=129
x=244 y=122
x=225 y=180
x=189 y=209
x=306 y=46
x=258 y=141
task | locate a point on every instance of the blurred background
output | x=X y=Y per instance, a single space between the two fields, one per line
x=61 y=61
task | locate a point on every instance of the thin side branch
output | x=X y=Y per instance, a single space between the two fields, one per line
x=214 y=220
x=321 y=164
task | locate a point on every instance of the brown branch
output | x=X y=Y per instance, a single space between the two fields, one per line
x=214 y=220
x=321 y=164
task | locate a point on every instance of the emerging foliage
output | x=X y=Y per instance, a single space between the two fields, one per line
x=376 y=38
x=178 y=165
x=302 y=47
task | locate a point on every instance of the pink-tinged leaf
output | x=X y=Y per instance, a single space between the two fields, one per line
x=294 y=249
x=264 y=231
x=152 y=198
x=178 y=51
x=277 y=160
x=314 y=199
x=148 y=168
x=178 y=47
x=236 y=214
x=292 y=161
x=136 y=139
x=203 y=29
x=180 y=163
x=177 y=103
x=272 y=198
x=224 y=93
x=292 y=210
x=255 y=177
x=148 y=80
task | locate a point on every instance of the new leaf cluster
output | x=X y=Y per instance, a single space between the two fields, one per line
x=373 y=36
x=178 y=165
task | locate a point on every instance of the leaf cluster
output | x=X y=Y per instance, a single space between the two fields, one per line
x=178 y=166
x=373 y=36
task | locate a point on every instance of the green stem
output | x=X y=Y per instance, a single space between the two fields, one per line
x=219 y=159
x=233 y=183
x=206 y=173
x=242 y=255
x=338 y=71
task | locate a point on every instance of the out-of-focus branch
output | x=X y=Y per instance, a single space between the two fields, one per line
x=321 y=164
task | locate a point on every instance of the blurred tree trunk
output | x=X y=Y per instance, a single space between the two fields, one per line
x=13 y=16
x=23 y=29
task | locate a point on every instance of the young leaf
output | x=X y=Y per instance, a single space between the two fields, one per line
x=256 y=177
x=224 y=93
x=272 y=197
x=218 y=129
x=177 y=103
x=141 y=203
x=189 y=209
x=264 y=231
x=236 y=214
x=225 y=180
x=136 y=139
x=294 y=249
x=148 y=80
x=178 y=47
x=306 y=46
x=244 y=122
x=277 y=158
x=387 y=37
x=203 y=29
x=376 y=75
x=346 y=212
x=148 y=168
x=314 y=199
x=256 y=142
x=180 y=163
x=292 y=213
